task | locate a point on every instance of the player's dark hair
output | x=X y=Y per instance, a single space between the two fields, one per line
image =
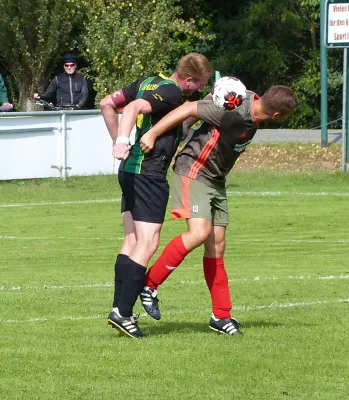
x=281 y=99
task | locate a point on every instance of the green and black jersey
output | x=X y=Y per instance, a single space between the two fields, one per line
x=164 y=95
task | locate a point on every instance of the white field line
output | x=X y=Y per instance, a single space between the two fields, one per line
x=53 y=239
x=286 y=193
x=55 y=287
x=229 y=194
x=60 y=203
x=273 y=278
x=183 y=282
x=291 y=241
x=239 y=308
x=60 y=238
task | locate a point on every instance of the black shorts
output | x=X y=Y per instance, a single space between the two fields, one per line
x=144 y=196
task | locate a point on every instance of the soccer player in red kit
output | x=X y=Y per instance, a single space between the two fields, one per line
x=199 y=194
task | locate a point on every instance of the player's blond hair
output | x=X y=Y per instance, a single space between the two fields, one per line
x=194 y=65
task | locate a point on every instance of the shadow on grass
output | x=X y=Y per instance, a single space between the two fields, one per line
x=260 y=324
x=231 y=186
x=168 y=328
x=190 y=327
x=173 y=327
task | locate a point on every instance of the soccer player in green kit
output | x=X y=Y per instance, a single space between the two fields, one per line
x=142 y=176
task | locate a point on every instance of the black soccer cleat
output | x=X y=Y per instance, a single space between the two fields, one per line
x=225 y=326
x=150 y=302
x=125 y=325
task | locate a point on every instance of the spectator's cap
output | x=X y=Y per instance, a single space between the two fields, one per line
x=70 y=58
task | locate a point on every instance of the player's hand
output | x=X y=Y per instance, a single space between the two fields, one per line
x=121 y=151
x=147 y=142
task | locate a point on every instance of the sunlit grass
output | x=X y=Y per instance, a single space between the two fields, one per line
x=287 y=262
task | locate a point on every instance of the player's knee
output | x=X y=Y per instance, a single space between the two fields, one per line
x=130 y=241
x=198 y=237
x=153 y=246
x=214 y=250
x=149 y=244
x=220 y=247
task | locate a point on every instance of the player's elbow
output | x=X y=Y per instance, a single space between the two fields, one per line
x=107 y=106
x=138 y=106
x=103 y=103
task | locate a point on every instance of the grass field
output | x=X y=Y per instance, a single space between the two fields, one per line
x=288 y=263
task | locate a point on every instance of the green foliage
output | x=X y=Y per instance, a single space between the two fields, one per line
x=308 y=90
x=311 y=9
x=123 y=41
x=33 y=35
x=260 y=43
x=272 y=42
x=263 y=42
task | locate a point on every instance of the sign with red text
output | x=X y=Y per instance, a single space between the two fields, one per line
x=337 y=23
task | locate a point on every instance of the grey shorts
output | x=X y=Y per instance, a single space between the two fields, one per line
x=194 y=199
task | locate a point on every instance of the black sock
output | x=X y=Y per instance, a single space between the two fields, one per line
x=133 y=283
x=120 y=266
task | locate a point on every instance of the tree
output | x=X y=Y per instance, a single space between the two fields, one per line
x=32 y=37
x=306 y=81
x=125 y=40
x=267 y=42
x=259 y=43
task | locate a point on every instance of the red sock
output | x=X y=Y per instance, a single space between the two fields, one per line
x=172 y=255
x=217 y=282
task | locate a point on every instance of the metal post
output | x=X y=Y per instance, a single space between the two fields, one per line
x=323 y=58
x=217 y=76
x=346 y=56
x=64 y=145
x=345 y=113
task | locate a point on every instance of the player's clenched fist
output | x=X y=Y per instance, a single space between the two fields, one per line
x=121 y=148
x=147 y=142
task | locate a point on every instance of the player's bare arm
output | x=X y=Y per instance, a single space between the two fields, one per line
x=130 y=114
x=121 y=146
x=172 y=119
x=110 y=116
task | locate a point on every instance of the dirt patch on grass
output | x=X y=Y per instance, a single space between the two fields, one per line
x=292 y=157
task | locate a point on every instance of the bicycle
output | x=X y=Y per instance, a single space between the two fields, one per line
x=50 y=106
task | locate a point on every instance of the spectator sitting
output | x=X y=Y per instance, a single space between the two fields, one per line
x=5 y=106
x=69 y=87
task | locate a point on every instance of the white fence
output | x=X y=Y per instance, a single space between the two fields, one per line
x=54 y=144
x=49 y=144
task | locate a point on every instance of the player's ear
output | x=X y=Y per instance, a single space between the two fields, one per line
x=276 y=116
x=189 y=82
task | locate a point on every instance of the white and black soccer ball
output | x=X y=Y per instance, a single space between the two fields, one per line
x=228 y=93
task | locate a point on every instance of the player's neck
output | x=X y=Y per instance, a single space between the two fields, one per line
x=258 y=112
x=176 y=78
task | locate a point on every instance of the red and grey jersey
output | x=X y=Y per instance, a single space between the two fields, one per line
x=164 y=95
x=218 y=142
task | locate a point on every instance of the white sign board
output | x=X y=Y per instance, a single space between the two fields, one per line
x=337 y=26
